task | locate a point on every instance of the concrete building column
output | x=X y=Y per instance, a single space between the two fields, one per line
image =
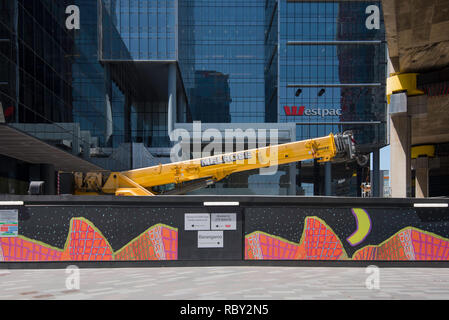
x=184 y=109
x=422 y=177
x=86 y=150
x=75 y=146
x=316 y=178
x=292 y=169
x=127 y=118
x=400 y=157
x=292 y=178
x=299 y=179
x=375 y=186
x=360 y=179
x=179 y=107
x=172 y=97
x=400 y=146
x=48 y=175
x=328 y=179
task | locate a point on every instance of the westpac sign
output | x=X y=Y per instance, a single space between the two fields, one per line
x=302 y=111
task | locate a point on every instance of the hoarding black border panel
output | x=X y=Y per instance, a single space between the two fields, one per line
x=222 y=263
x=245 y=201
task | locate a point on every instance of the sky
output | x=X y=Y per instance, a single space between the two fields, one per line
x=384 y=158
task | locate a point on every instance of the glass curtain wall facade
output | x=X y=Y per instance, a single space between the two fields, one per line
x=57 y=90
x=271 y=60
x=221 y=55
x=146 y=27
x=222 y=59
x=34 y=47
x=323 y=69
x=98 y=102
x=332 y=68
x=147 y=30
x=331 y=72
x=101 y=92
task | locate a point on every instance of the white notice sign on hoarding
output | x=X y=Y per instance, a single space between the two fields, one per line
x=224 y=221
x=210 y=239
x=9 y=223
x=197 y=221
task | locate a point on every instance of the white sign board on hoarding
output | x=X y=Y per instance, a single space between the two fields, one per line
x=9 y=223
x=210 y=239
x=196 y=221
x=224 y=221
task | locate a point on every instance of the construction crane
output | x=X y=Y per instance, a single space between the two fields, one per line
x=199 y=173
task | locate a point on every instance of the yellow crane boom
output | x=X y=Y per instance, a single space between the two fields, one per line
x=206 y=171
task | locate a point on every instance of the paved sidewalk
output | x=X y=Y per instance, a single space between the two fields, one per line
x=238 y=283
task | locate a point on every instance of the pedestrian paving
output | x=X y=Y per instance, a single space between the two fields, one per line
x=226 y=283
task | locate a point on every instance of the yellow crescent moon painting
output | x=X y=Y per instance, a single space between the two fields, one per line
x=363 y=226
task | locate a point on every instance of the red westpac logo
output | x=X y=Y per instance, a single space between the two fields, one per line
x=294 y=111
x=318 y=112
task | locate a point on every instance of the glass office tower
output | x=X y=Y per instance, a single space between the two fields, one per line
x=330 y=64
x=60 y=87
x=148 y=31
x=147 y=28
x=330 y=60
x=107 y=94
x=324 y=70
x=227 y=38
x=222 y=58
x=53 y=84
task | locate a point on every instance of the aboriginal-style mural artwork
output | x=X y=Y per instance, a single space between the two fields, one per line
x=1 y=254
x=23 y=249
x=320 y=242
x=86 y=243
x=363 y=226
x=158 y=243
x=150 y=232
x=408 y=244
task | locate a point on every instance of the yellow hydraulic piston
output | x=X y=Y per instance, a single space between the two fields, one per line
x=214 y=168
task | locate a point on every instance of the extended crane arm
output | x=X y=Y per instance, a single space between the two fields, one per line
x=211 y=169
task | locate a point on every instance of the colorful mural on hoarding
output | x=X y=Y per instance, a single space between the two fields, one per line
x=86 y=243
x=264 y=232
x=320 y=242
